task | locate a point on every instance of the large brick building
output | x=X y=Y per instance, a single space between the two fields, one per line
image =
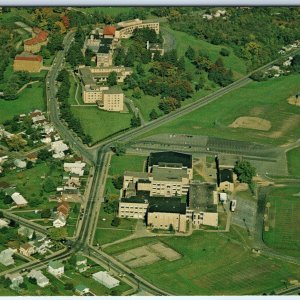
x=39 y=39
x=28 y=62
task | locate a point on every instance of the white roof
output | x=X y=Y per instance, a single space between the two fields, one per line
x=46 y=140
x=77 y=164
x=3 y=223
x=18 y=198
x=38 y=275
x=106 y=279
x=223 y=196
x=59 y=146
x=59 y=221
x=20 y=163
x=38 y=118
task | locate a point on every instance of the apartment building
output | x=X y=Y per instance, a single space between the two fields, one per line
x=112 y=100
x=126 y=28
x=104 y=59
x=28 y=62
x=39 y=39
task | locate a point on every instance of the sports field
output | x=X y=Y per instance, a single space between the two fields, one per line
x=284 y=229
x=266 y=100
x=293 y=158
x=211 y=264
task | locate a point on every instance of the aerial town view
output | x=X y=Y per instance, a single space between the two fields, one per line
x=149 y=151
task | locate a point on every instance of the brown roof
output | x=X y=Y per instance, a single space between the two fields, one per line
x=35 y=114
x=109 y=30
x=41 y=36
x=26 y=246
x=63 y=208
x=30 y=58
x=32 y=155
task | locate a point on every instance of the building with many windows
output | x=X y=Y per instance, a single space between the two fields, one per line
x=126 y=28
x=28 y=62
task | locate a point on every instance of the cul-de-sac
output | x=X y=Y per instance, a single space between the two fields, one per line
x=149 y=151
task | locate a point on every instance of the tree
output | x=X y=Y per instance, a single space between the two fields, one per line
x=137 y=93
x=244 y=171
x=112 y=79
x=7 y=199
x=46 y=213
x=29 y=165
x=119 y=149
x=111 y=207
x=190 y=53
x=224 y=52
x=44 y=154
x=115 y=222
x=135 y=121
x=171 y=228
x=295 y=64
x=153 y=114
x=49 y=185
x=258 y=76
x=86 y=139
x=57 y=234
x=118 y=182
x=32 y=280
x=75 y=209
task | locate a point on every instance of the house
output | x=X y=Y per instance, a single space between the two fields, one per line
x=39 y=39
x=58 y=147
x=75 y=168
x=226 y=182
x=223 y=197
x=81 y=263
x=27 y=249
x=20 y=163
x=16 y=279
x=19 y=200
x=4 y=223
x=29 y=62
x=39 y=120
x=6 y=257
x=32 y=157
x=41 y=279
x=104 y=278
x=25 y=231
x=56 y=268
x=63 y=208
x=81 y=289
x=59 y=221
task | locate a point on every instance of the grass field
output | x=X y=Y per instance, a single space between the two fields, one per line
x=284 y=233
x=211 y=264
x=293 y=159
x=267 y=100
x=100 y=124
x=183 y=40
x=29 y=183
x=28 y=100
x=119 y=164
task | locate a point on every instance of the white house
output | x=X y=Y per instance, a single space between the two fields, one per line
x=3 y=223
x=41 y=279
x=56 y=268
x=59 y=221
x=20 y=163
x=19 y=199
x=75 y=168
x=58 y=147
x=15 y=279
x=6 y=257
x=104 y=278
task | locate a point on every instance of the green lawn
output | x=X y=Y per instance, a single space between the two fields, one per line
x=211 y=264
x=100 y=124
x=120 y=164
x=266 y=100
x=293 y=158
x=184 y=40
x=105 y=236
x=284 y=229
x=28 y=100
x=29 y=183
